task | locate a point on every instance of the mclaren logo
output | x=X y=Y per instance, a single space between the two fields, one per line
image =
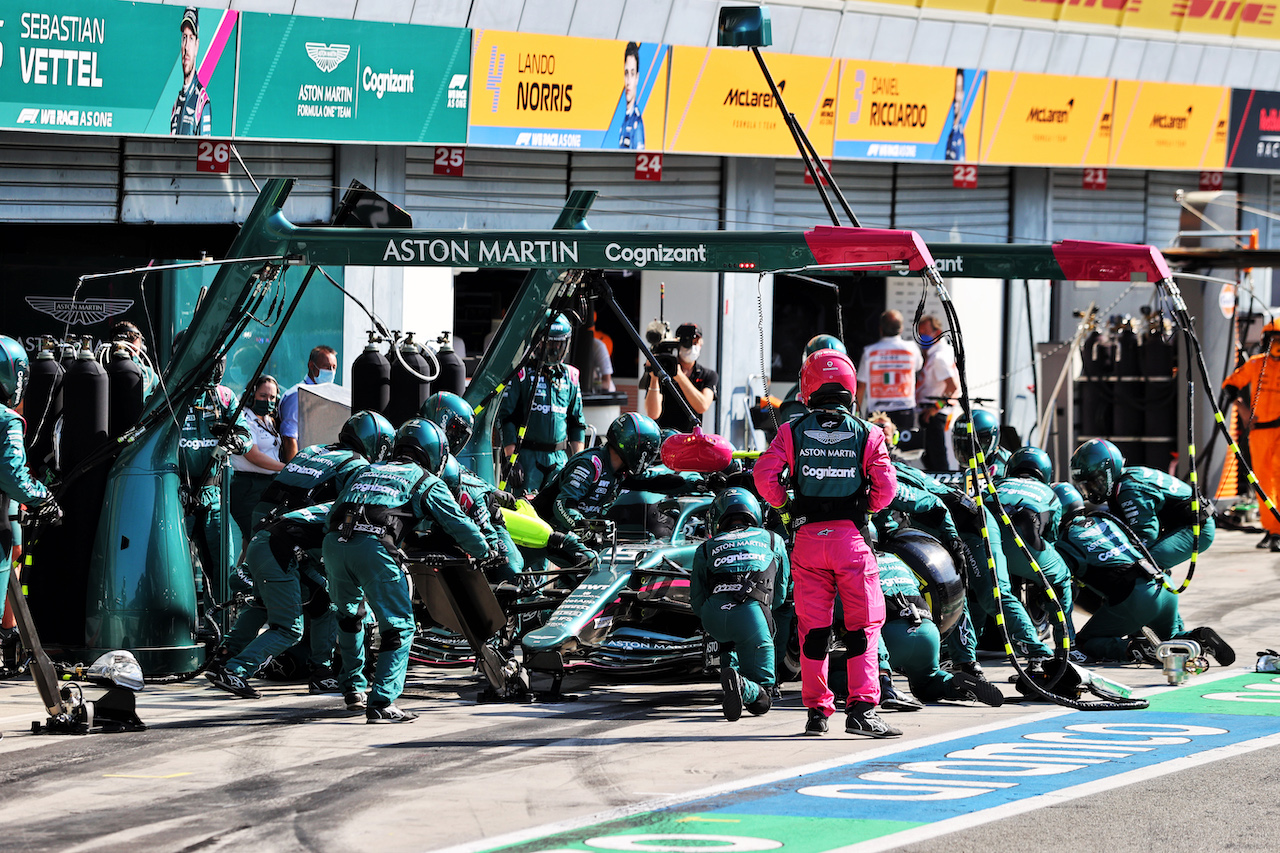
x=825 y=437
x=327 y=56
x=79 y=313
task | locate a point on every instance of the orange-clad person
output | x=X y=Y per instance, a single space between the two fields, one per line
x=1257 y=386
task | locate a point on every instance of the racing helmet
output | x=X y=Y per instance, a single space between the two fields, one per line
x=14 y=371
x=422 y=442
x=452 y=414
x=636 y=439
x=828 y=377
x=732 y=504
x=1271 y=338
x=818 y=342
x=369 y=434
x=1071 y=499
x=1095 y=468
x=452 y=474
x=986 y=428
x=1032 y=463
x=557 y=343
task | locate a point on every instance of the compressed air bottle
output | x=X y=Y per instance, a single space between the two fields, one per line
x=371 y=379
x=408 y=391
x=43 y=402
x=125 y=390
x=85 y=409
x=1160 y=412
x=453 y=374
x=1095 y=402
x=1128 y=418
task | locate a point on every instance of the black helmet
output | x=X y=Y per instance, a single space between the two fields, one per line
x=636 y=439
x=369 y=434
x=1095 y=468
x=14 y=371
x=422 y=442
x=1070 y=498
x=452 y=414
x=733 y=503
x=1032 y=463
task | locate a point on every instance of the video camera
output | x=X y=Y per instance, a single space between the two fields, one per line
x=666 y=346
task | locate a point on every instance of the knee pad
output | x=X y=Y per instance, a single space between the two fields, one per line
x=855 y=642
x=816 y=643
x=391 y=640
x=350 y=624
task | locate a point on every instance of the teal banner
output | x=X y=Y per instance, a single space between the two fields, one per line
x=99 y=66
x=352 y=81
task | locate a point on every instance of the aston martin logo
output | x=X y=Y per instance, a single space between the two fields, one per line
x=828 y=437
x=327 y=56
x=84 y=312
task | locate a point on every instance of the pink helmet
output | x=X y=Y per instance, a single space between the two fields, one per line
x=829 y=376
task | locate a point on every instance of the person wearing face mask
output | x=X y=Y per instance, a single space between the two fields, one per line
x=322 y=367
x=255 y=469
x=936 y=387
x=698 y=384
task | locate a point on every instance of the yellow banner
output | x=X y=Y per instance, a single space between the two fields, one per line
x=720 y=103
x=564 y=92
x=895 y=111
x=1246 y=18
x=1170 y=126
x=1047 y=120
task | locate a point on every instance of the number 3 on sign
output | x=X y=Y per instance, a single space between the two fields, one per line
x=648 y=166
x=964 y=177
x=213 y=157
x=449 y=161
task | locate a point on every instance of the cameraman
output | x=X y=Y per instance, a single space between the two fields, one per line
x=698 y=384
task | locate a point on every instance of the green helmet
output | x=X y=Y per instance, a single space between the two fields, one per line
x=557 y=346
x=732 y=503
x=422 y=442
x=1032 y=463
x=452 y=474
x=818 y=342
x=985 y=427
x=452 y=414
x=1070 y=498
x=14 y=371
x=369 y=434
x=1096 y=467
x=636 y=439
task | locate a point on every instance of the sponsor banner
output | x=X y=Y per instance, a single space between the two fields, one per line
x=720 y=102
x=352 y=81
x=1047 y=120
x=1255 y=130
x=1169 y=126
x=891 y=111
x=535 y=91
x=1244 y=18
x=98 y=66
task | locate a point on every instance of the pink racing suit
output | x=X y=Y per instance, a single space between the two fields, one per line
x=830 y=558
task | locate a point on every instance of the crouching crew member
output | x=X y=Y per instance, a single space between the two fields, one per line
x=1155 y=506
x=284 y=560
x=1125 y=587
x=370 y=519
x=739 y=580
x=840 y=471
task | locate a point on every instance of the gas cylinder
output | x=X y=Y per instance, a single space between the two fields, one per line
x=1128 y=418
x=85 y=413
x=370 y=379
x=453 y=374
x=124 y=381
x=1160 y=410
x=43 y=402
x=1095 y=399
x=408 y=392
x=67 y=350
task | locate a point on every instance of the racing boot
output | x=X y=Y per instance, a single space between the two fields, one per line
x=817 y=723
x=731 y=681
x=223 y=679
x=972 y=668
x=1141 y=650
x=762 y=703
x=892 y=699
x=1213 y=645
x=323 y=680
x=861 y=719
x=355 y=701
x=965 y=687
x=1267 y=539
x=387 y=714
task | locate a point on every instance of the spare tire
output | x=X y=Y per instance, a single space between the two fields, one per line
x=940 y=582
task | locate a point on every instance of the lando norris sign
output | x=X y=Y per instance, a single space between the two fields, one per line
x=352 y=81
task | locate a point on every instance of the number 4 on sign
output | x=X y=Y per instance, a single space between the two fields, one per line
x=648 y=166
x=964 y=177
x=213 y=157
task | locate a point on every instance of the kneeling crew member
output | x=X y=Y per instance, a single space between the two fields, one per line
x=840 y=471
x=369 y=521
x=739 y=579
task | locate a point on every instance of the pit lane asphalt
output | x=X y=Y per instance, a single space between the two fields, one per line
x=296 y=772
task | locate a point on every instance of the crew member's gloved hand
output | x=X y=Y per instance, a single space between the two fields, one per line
x=965 y=561
x=494 y=562
x=962 y=507
x=46 y=515
x=504 y=499
x=717 y=481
